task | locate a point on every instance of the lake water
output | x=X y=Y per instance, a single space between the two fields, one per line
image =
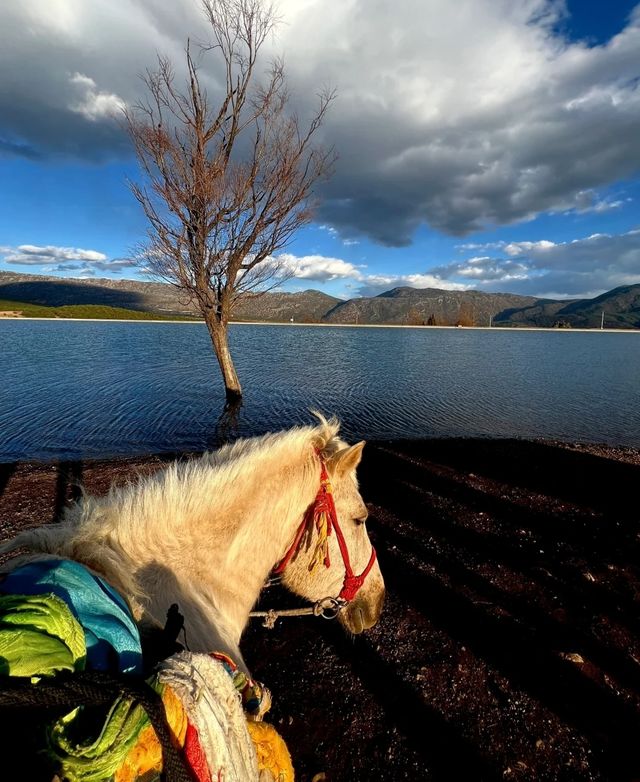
x=83 y=389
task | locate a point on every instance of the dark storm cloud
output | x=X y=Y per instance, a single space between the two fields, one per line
x=468 y=120
x=459 y=119
x=68 y=66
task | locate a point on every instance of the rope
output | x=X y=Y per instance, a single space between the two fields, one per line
x=270 y=617
x=327 y=608
x=95 y=688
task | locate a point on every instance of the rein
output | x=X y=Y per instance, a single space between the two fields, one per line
x=323 y=515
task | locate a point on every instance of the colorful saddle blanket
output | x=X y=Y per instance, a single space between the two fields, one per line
x=55 y=615
x=111 y=636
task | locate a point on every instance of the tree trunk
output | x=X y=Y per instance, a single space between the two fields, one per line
x=220 y=341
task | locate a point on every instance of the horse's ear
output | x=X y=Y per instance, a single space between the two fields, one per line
x=346 y=460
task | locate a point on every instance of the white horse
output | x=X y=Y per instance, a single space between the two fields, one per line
x=206 y=533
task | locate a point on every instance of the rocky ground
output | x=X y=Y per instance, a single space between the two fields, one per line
x=508 y=648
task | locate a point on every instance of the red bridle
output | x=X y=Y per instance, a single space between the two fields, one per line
x=324 y=506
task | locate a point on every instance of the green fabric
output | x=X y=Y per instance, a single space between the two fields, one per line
x=111 y=635
x=96 y=760
x=39 y=636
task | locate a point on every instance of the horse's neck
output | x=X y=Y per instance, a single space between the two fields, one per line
x=258 y=545
x=217 y=578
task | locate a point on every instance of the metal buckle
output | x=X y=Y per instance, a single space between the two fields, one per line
x=328 y=607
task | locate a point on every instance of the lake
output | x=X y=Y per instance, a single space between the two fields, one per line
x=90 y=389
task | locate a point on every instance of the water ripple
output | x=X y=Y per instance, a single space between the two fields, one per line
x=74 y=389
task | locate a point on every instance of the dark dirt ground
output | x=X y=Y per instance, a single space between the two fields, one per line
x=508 y=648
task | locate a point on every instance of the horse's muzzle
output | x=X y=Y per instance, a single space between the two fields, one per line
x=363 y=612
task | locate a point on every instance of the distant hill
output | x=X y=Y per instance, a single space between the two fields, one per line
x=157 y=297
x=621 y=307
x=56 y=292
x=410 y=306
x=418 y=306
x=304 y=307
x=475 y=308
x=80 y=311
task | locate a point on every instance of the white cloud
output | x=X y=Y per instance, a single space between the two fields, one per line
x=595 y=253
x=33 y=255
x=519 y=248
x=93 y=104
x=480 y=246
x=329 y=229
x=317 y=267
x=587 y=202
x=334 y=234
x=486 y=269
x=56 y=259
x=604 y=206
x=115 y=264
x=583 y=267
x=324 y=269
x=62 y=267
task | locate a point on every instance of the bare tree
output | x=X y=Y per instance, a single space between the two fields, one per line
x=226 y=185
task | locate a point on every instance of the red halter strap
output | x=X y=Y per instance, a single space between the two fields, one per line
x=322 y=511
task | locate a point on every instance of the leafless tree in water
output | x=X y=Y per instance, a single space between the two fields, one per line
x=226 y=185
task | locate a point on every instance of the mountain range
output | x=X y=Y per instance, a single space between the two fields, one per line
x=408 y=306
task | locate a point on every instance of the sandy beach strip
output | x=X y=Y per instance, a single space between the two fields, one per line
x=339 y=325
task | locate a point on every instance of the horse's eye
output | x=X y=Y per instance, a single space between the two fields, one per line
x=362 y=519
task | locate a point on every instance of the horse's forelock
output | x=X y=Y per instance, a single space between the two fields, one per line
x=325 y=436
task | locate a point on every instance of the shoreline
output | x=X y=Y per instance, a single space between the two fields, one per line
x=614 y=451
x=336 y=325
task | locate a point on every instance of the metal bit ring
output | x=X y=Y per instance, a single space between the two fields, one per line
x=328 y=607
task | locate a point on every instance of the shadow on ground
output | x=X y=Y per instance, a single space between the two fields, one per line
x=508 y=648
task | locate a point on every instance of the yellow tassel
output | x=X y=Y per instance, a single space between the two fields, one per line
x=322 y=544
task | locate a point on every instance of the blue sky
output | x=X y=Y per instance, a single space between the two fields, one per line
x=487 y=144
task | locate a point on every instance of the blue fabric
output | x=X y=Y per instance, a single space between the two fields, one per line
x=112 y=637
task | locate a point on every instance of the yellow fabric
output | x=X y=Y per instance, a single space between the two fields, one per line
x=176 y=715
x=147 y=754
x=271 y=750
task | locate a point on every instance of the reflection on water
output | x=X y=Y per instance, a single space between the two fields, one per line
x=228 y=426
x=81 y=389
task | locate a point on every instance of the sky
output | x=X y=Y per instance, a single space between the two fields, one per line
x=482 y=144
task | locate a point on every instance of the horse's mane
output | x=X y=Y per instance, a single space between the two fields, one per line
x=172 y=502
